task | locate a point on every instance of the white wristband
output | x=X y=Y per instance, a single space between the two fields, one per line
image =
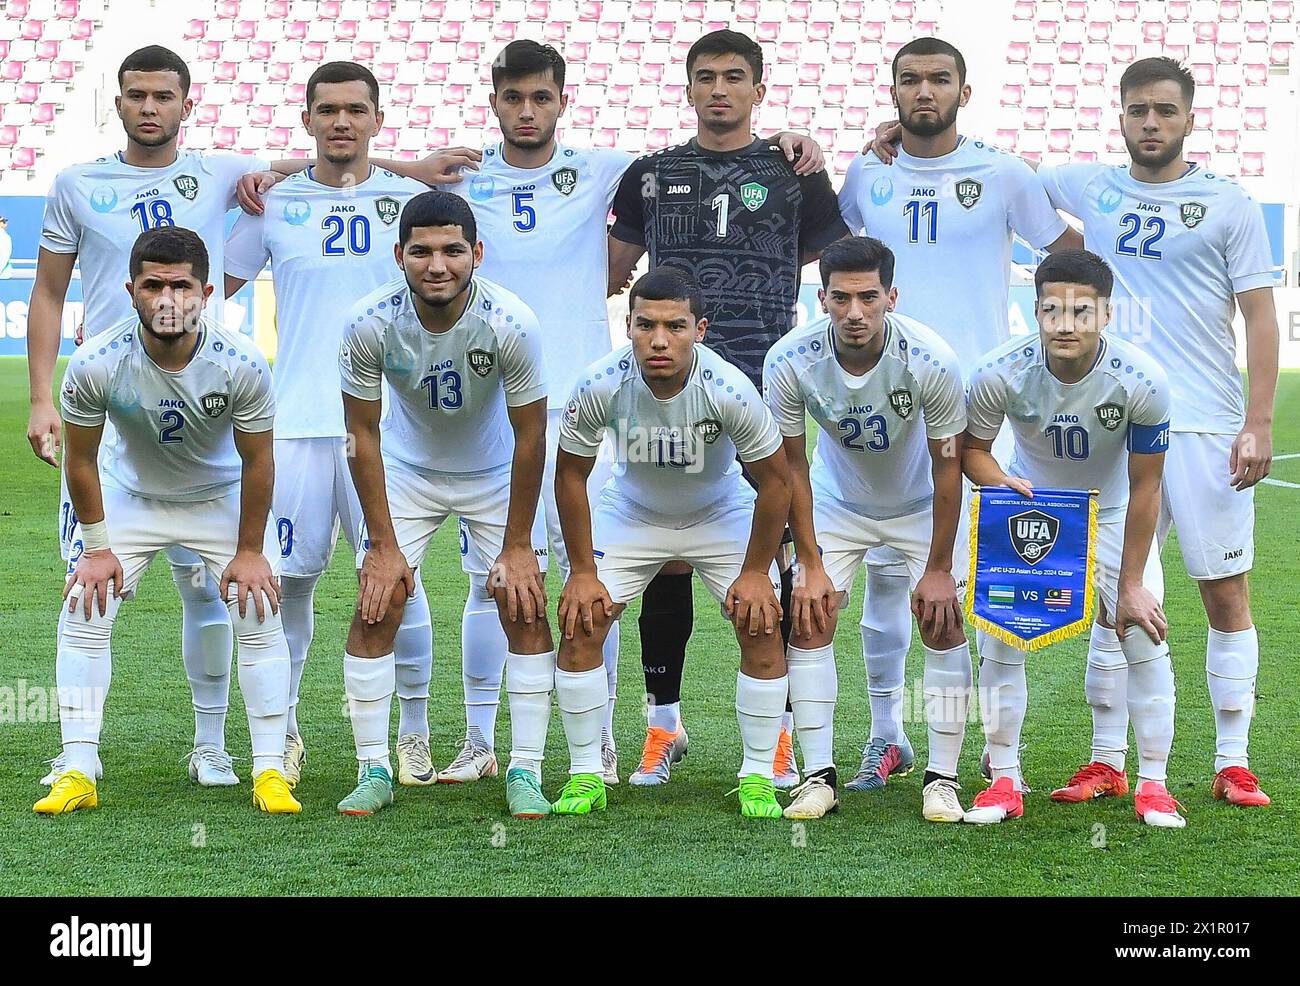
x=94 y=537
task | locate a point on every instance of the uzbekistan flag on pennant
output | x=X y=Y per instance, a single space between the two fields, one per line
x=1031 y=564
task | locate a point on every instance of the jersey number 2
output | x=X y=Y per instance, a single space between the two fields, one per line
x=172 y=423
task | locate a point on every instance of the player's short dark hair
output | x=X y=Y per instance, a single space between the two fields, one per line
x=170 y=245
x=1074 y=267
x=437 y=208
x=1160 y=68
x=343 y=72
x=523 y=58
x=857 y=255
x=930 y=46
x=155 y=58
x=668 y=284
x=727 y=43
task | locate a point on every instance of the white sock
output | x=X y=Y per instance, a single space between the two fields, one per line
x=1231 y=666
x=1003 y=700
x=369 y=684
x=264 y=681
x=610 y=655
x=886 y=627
x=483 y=649
x=947 y=685
x=296 y=613
x=667 y=716
x=760 y=704
x=787 y=719
x=1150 y=702
x=205 y=647
x=582 y=696
x=1105 y=685
x=530 y=679
x=83 y=671
x=413 y=661
x=814 y=687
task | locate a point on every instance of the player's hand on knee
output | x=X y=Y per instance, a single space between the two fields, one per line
x=935 y=605
x=1251 y=458
x=1136 y=606
x=813 y=601
x=250 y=573
x=752 y=605
x=251 y=190
x=516 y=579
x=90 y=581
x=579 y=599
x=889 y=136
x=384 y=573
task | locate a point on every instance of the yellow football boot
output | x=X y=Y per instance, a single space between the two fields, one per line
x=271 y=794
x=71 y=790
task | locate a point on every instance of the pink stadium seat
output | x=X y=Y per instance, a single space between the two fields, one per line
x=843 y=51
x=82 y=30
x=224 y=72
x=419 y=116
x=651 y=73
x=402 y=94
x=209 y=51
x=363 y=51
x=345 y=30
x=554 y=31
x=538 y=10
x=1255 y=118
x=767 y=31
x=63 y=71
x=11 y=71
x=1018 y=52
x=260 y=116
x=242 y=93
x=280 y=72
x=328 y=10
x=387 y=139
x=33 y=30
x=227 y=10
x=1229 y=95
x=1076 y=10
x=873 y=30
x=277 y=10
x=1012 y=95
x=672 y=95
x=379 y=10
x=469 y=51
x=47 y=50
x=1040 y=73
x=259 y=51
x=1089 y=117
x=1279 y=53
x=1226 y=141
x=1177 y=52
x=224 y=137
x=1035 y=117
x=693 y=10
x=1178 y=11
x=24 y=158
x=903 y=10
x=1257 y=32
x=245 y=30
x=1204 y=117
x=820 y=30
x=1099 y=31
x=313 y=51
x=67 y=10
x=449 y=30
x=1064 y=97
x=296 y=94
x=1206 y=31
x=1153 y=32
x=435 y=72
x=606 y=137
x=277 y=138
x=17 y=9
x=1123 y=54
x=1058 y=141
x=43 y=114
x=1203 y=73
x=800 y=116
x=632 y=51
x=851 y=11
x=1281 y=12
x=399 y=30
x=779 y=95
x=1229 y=10
x=1227 y=53
x=455 y=93
x=8 y=136
x=583 y=116
x=598 y=72
x=1252 y=163
x=864 y=74
x=433 y=10
x=834 y=95
x=1255 y=74
x=207 y=115
x=638 y=116
x=28 y=93
x=855 y=116
x=1023 y=10
x=195 y=30
x=296 y=31
x=196 y=92
x=1069 y=52
x=1006 y=139
x=810 y=73
x=1046 y=31
x=417 y=51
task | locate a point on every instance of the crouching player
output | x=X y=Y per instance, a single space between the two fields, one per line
x=886 y=393
x=465 y=434
x=192 y=468
x=1087 y=411
x=680 y=415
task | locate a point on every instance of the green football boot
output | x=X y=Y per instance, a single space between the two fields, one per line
x=757 y=797
x=583 y=794
x=374 y=791
x=524 y=794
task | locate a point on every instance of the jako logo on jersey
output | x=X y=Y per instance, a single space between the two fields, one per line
x=103 y=199
x=1109 y=200
x=678 y=190
x=481 y=188
x=187 y=185
x=387 y=208
x=968 y=192
x=296 y=212
x=882 y=190
x=214 y=404
x=709 y=429
x=480 y=361
x=1110 y=415
x=1033 y=533
x=901 y=401
x=753 y=195
x=1192 y=213
x=565 y=180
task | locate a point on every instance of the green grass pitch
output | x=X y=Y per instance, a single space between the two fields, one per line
x=155 y=833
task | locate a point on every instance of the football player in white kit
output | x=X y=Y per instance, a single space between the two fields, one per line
x=193 y=409
x=886 y=393
x=329 y=233
x=1087 y=411
x=1186 y=245
x=948 y=207
x=465 y=434
x=680 y=417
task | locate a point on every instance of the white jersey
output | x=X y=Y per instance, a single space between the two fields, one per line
x=175 y=439
x=545 y=237
x=675 y=459
x=448 y=391
x=328 y=248
x=871 y=453
x=1181 y=251
x=1073 y=436
x=97 y=211
x=949 y=221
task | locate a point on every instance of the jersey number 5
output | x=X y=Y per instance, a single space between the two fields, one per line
x=521 y=207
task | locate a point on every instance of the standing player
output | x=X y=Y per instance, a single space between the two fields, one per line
x=465 y=435
x=734 y=209
x=1185 y=244
x=880 y=477
x=1087 y=411
x=193 y=407
x=681 y=417
x=948 y=207
x=329 y=234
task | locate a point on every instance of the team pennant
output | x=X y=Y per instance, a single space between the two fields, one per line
x=1031 y=564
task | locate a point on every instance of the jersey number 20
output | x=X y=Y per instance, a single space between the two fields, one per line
x=358 y=235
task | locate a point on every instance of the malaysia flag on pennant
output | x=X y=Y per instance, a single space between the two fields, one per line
x=1059 y=598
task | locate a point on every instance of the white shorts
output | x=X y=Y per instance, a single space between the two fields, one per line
x=314 y=498
x=419 y=504
x=630 y=551
x=845 y=538
x=139 y=528
x=546 y=527
x=1215 y=523
x=1109 y=554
